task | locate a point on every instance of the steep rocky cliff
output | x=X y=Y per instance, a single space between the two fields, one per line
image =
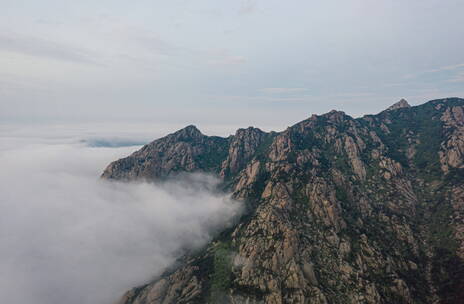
x=340 y=210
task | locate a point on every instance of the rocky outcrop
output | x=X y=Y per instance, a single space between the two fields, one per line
x=242 y=148
x=180 y=287
x=399 y=105
x=340 y=210
x=186 y=150
x=452 y=150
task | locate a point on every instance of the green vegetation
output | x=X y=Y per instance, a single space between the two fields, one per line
x=221 y=278
x=215 y=153
x=430 y=135
x=263 y=148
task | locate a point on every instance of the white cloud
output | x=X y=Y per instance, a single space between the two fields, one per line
x=39 y=47
x=68 y=237
x=223 y=57
x=446 y=68
x=247 y=7
x=459 y=77
x=283 y=90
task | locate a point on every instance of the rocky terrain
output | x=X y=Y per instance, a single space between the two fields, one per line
x=339 y=210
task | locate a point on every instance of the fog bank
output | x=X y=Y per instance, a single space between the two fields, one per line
x=68 y=237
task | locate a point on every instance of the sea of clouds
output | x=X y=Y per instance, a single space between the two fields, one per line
x=66 y=236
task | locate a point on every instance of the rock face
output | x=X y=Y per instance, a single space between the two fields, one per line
x=186 y=150
x=341 y=210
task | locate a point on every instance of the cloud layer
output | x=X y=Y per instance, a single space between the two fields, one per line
x=206 y=61
x=68 y=237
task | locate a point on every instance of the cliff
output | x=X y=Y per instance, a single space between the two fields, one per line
x=340 y=210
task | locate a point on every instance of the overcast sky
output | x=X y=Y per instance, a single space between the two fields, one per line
x=263 y=63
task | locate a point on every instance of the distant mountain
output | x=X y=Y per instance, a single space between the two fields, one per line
x=340 y=210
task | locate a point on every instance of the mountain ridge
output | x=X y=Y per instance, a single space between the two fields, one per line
x=340 y=209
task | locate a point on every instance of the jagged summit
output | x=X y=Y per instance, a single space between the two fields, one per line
x=190 y=128
x=189 y=131
x=339 y=210
x=249 y=130
x=399 y=105
x=335 y=116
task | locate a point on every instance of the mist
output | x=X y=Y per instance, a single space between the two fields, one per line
x=67 y=236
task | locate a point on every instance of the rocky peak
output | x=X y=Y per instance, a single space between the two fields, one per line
x=398 y=105
x=335 y=116
x=188 y=133
x=185 y=150
x=242 y=148
x=247 y=132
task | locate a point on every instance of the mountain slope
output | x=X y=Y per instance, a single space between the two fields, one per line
x=341 y=210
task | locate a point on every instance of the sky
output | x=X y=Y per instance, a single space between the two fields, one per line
x=68 y=237
x=237 y=63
